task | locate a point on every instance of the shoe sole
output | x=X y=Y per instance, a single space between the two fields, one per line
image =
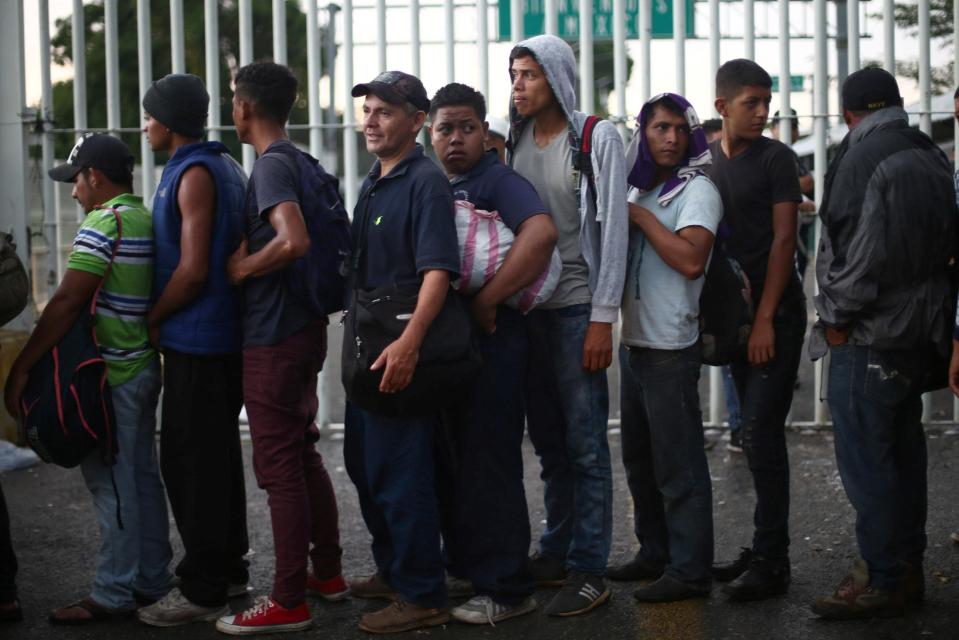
x=733 y=448
x=209 y=617
x=238 y=630
x=736 y=596
x=389 y=596
x=514 y=613
x=558 y=582
x=339 y=596
x=423 y=623
x=592 y=605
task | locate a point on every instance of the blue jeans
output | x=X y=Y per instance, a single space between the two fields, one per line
x=567 y=414
x=765 y=394
x=391 y=462
x=732 y=400
x=136 y=557
x=486 y=519
x=876 y=405
x=666 y=467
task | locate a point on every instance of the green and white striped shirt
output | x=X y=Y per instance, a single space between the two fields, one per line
x=126 y=294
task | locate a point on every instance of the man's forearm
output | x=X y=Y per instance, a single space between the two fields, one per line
x=527 y=259
x=778 y=270
x=432 y=295
x=182 y=289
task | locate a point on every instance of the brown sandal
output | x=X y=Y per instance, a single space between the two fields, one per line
x=93 y=613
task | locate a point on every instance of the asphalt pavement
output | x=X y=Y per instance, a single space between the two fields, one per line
x=55 y=535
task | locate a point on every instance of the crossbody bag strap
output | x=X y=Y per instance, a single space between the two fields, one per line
x=113 y=257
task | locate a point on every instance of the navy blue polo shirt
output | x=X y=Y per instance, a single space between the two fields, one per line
x=409 y=219
x=493 y=186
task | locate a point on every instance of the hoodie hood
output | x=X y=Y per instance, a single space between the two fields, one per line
x=640 y=159
x=556 y=58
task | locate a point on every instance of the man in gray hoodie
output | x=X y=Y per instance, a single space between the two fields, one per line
x=571 y=334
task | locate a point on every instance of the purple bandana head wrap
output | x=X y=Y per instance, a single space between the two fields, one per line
x=697 y=160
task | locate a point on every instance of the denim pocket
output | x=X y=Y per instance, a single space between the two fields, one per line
x=889 y=378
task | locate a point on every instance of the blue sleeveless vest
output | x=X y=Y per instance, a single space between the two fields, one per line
x=211 y=324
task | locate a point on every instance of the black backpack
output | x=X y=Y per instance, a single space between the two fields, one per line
x=318 y=278
x=14 y=285
x=66 y=408
x=725 y=310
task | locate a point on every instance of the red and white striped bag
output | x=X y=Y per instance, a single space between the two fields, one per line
x=484 y=241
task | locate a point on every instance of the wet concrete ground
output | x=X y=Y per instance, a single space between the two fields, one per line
x=55 y=536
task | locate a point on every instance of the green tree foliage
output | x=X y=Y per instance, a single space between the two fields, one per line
x=940 y=23
x=603 y=73
x=193 y=36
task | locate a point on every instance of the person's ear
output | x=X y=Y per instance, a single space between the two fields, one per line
x=720 y=105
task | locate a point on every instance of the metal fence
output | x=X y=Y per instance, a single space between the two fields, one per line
x=466 y=43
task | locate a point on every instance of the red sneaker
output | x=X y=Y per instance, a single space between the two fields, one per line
x=266 y=616
x=332 y=589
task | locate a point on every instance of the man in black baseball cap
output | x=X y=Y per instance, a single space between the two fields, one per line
x=395 y=87
x=869 y=89
x=885 y=316
x=104 y=153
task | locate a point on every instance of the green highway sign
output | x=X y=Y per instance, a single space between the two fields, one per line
x=534 y=19
x=796 y=83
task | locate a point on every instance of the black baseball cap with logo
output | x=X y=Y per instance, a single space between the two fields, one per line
x=96 y=151
x=395 y=87
x=870 y=89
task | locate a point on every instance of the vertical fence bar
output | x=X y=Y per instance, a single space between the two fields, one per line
x=645 y=20
x=79 y=67
x=211 y=40
x=414 y=36
x=246 y=57
x=749 y=29
x=852 y=34
x=380 y=35
x=112 y=64
x=820 y=123
x=79 y=34
x=349 y=124
x=925 y=69
x=279 y=32
x=619 y=64
x=889 y=35
x=955 y=135
x=551 y=18
x=587 y=88
x=679 y=43
x=51 y=222
x=925 y=120
x=313 y=75
x=450 y=32
x=145 y=74
x=177 y=48
x=482 y=46
x=716 y=401
x=516 y=20
x=714 y=40
x=785 y=83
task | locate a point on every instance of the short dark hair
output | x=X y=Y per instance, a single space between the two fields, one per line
x=270 y=87
x=124 y=179
x=522 y=52
x=665 y=103
x=955 y=96
x=739 y=73
x=459 y=95
x=713 y=125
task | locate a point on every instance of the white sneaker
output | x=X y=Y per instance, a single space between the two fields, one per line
x=485 y=610
x=174 y=609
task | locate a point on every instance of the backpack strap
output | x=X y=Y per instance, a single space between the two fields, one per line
x=584 y=161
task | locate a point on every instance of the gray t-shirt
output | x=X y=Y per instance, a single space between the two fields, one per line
x=660 y=305
x=551 y=172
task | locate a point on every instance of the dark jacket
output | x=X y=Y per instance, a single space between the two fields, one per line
x=890 y=226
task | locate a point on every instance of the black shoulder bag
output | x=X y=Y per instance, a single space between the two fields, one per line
x=449 y=357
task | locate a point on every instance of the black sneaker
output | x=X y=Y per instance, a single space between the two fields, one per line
x=639 y=568
x=581 y=593
x=668 y=589
x=763 y=579
x=726 y=571
x=547 y=571
x=735 y=443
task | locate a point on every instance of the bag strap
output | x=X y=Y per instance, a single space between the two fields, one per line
x=113 y=257
x=584 y=161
